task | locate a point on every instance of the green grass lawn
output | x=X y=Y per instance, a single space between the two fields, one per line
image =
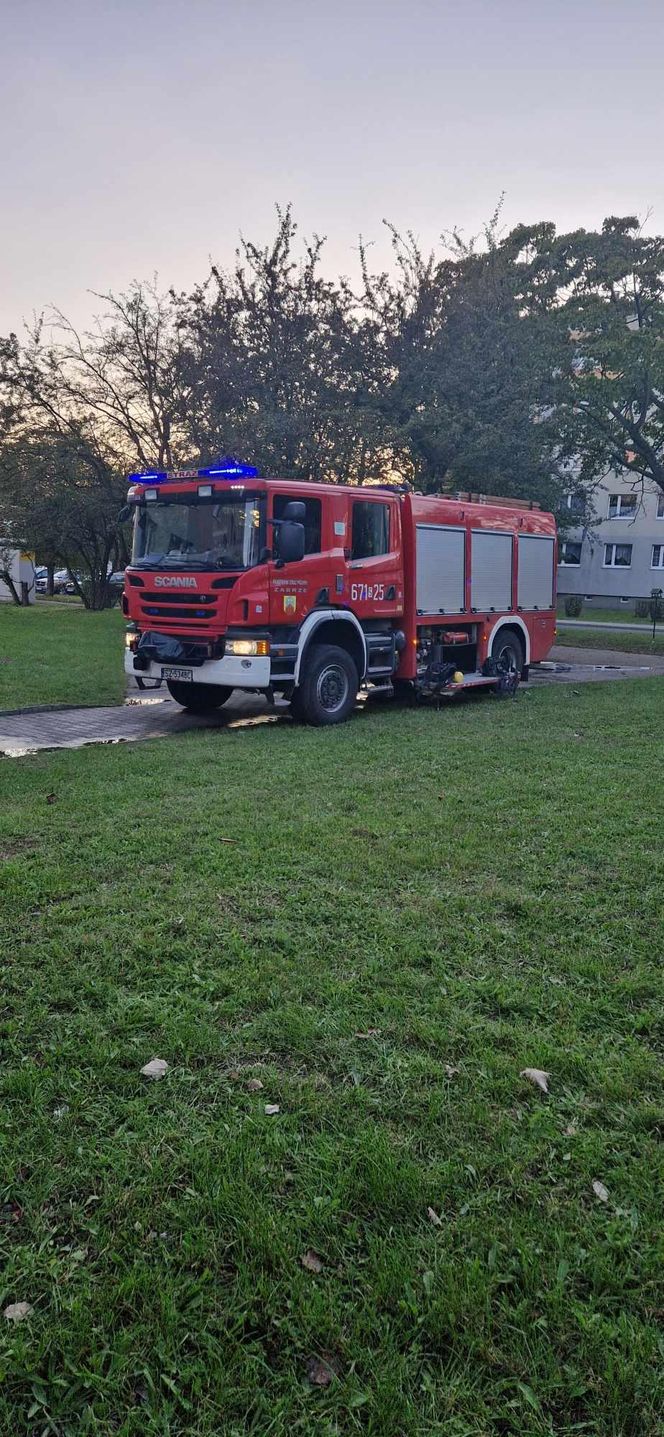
x=627 y=641
x=405 y=913
x=608 y=616
x=60 y=654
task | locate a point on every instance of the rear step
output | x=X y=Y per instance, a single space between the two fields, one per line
x=505 y=682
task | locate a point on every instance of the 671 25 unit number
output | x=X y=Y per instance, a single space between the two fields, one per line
x=367 y=591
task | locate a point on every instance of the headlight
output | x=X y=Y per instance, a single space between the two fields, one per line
x=131 y=639
x=248 y=648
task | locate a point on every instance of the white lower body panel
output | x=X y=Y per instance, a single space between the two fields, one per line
x=232 y=672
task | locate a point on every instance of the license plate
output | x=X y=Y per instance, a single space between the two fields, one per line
x=183 y=676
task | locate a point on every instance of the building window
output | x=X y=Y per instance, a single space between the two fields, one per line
x=622 y=506
x=371 y=529
x=576 y=503
x=312 y=518
x=617 y=556
x=657 y=556
x=660 y=507
x=570 y=554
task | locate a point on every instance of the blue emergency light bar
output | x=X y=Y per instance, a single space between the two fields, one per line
x=228 y=468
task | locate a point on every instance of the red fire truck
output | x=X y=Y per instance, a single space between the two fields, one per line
x=315 y=590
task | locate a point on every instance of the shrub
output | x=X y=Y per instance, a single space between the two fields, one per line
x=573 y=606
x=642 y=608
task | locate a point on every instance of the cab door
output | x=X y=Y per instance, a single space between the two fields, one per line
x=374 y=565
x=296 y=588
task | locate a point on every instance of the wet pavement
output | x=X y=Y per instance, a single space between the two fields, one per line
x=154 y=715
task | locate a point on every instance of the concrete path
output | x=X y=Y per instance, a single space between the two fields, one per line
x=155 y=715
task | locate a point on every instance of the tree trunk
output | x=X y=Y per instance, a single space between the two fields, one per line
x=50 y=580
x=6 y=578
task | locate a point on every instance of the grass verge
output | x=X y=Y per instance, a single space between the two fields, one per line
x=625 y=641
x=382 y=925
x=60 y=654
x=608 y=616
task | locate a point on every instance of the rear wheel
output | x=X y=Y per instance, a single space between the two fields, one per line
x=328 y=687
x=507 y=650
x=198 y=698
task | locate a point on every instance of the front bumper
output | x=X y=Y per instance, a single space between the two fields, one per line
x=231 y=671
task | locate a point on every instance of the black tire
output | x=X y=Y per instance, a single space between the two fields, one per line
x=198 y=698
x=508 y=652
x=328 y=687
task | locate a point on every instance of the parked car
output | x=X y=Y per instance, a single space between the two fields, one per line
x=116 y=579
x=63 y=582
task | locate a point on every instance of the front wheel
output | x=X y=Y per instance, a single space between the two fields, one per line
x=328 y=688
x=198 y=698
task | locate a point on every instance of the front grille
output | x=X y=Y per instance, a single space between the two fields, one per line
x=177 y=608
x=172 y=598
x=154 y=611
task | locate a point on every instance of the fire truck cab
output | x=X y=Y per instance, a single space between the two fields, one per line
x=314 y=590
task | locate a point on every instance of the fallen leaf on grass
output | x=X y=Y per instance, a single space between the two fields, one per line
x=271 y=1110
x=227 y=840
x=312 y=1260
x=600 y=1191
x=18 y=1311
x=571 y=1130
x=254 y=1085
x=156 y=1068
x=434 y=1218
x=538 y=1077
x=451 y=1072
x=370 y=1033
x=51 y=797
x=320 y=1373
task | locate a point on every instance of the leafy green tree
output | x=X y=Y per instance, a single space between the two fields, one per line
x=273 y=367
x=608 y=308
x=466 y=377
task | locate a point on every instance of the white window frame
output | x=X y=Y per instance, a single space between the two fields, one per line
x=564 y=563
x=620 y=498
x=660 y=561
x=575 y=504
x=660 y=506
x=611 y=563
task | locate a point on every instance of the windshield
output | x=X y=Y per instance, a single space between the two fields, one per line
x=198 y=534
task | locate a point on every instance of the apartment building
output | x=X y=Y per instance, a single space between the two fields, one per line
x=617 y=556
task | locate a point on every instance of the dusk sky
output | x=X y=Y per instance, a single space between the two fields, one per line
x=143 y=135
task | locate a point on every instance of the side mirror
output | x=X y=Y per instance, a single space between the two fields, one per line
x=295 y=510
x=125 y=513
x=289 y=542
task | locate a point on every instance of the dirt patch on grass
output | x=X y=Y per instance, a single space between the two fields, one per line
x=15 y=847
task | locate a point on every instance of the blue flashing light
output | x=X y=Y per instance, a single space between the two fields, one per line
x=149 y=477
x=229 y=468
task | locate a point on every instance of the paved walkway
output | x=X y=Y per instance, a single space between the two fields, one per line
x=154 y=715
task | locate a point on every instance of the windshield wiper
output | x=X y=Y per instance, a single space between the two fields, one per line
x=166 y=561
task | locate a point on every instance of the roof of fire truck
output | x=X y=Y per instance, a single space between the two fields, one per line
x=233 y=470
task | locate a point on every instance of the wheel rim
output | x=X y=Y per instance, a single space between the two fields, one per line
x=332 y=688
x=508 y=659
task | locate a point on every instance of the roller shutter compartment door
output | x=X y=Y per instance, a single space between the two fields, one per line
x=440 y=569
x=492 y=571
x=535 y=572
